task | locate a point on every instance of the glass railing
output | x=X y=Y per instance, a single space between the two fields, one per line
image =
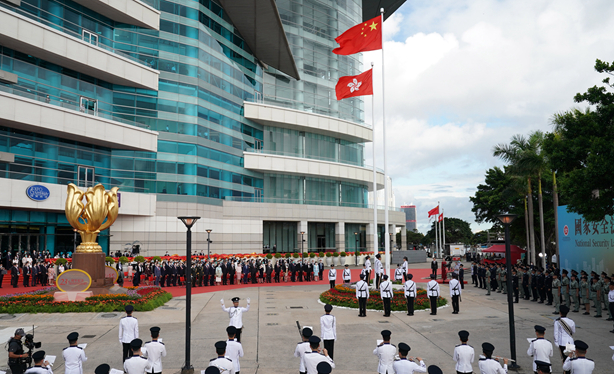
x=311 y=157
x=279 y=200
x=44 y=97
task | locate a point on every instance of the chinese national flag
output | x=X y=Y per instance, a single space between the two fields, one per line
x=355 y=85
x=366 y=36
x=434 y=211
x=441 y=217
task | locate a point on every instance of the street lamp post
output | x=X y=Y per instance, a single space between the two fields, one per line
x=507 y=220
x=209 y=243
x=302 y=243
x=188 y=222
x=356 y=249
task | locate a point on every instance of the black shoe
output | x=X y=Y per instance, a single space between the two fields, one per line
x=575 y=311
x=612 y=331
x=586 y=313
x=433 y=314
x=540 y=302
x=609 y=319
x=555 y=312
x=597 y=316
x=516 y=302
x=548 y=303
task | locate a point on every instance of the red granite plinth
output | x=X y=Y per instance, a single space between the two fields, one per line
x=93 y=264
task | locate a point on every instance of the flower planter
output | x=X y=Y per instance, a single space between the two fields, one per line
x=329 y=260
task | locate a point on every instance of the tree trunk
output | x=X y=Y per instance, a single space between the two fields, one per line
x=541 y=223
x=555 y=199
x=531 y=224
x=526 y=227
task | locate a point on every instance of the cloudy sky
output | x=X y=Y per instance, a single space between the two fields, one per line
x=465 y=75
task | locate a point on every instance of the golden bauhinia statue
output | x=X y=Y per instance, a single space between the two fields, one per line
x=89 y=219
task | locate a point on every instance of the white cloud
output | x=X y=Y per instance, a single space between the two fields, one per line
x=462 y=76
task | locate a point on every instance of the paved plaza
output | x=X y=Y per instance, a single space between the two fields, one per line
x=270 y=332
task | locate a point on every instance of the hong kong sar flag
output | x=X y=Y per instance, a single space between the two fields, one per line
x=355 y=85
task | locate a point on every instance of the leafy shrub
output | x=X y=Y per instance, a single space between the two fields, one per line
x=110 y=260
x=123 y=260
x=277 y=255
x=328 y=254
x=61 y=261
x=343 y=254
x=288 y=255
x=269 y=256
x=335 y=254
x=139 y=259
x=312 y=255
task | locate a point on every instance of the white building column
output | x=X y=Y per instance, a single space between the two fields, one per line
x=340 y=236
x=393 y=231
x=404 y=246
x=370 y=238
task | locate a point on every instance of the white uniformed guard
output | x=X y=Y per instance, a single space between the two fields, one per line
x=405 y=366
x=564 y=328
x=41 y=366
x=362 y=294
x=236 y=315
x=303 y=347
x=398 y=273
x=379 y=270
x=386 y=294
x=488 y=365
x=128 y=331
x=540 y=349
x=432 y=290
x=404 y=268
x=463 y=354
x=385 y=352
x=368 y=269
x=234 y=349
x=580 y=364
x=221 y=362
x=347 y=275
x=328 y=330
x=455 y=292
x=315 y=356
x=137 y=364
x=102 y=369
x=155 y=350
x=74 y=356
x=332 y=275
x=410 y=293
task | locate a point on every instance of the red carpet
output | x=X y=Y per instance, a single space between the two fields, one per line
x=420 y=276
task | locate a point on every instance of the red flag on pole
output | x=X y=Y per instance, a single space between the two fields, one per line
x=366 y=36
x=440 y=217
x=355 y=85
x=434 y=211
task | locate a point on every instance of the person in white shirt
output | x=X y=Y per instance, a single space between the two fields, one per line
x=303 y=347
x=332 y=276
x=155 y=350
x=136 y=364
x=236 y=315
x=386 y=293
x=362 y=294
x=542 y=367
x=234 y=349
x=540 y=349
x=385 y=352
x=405 y=269
x=368 y=270
x=398 y=273
x=580 y=364
x=488 y=365
x=410 y=294
x=328 y=330
x=223 y=363
x=315 y=356
x=102 y=369
x=564 y=328
x=455 y=292
x=379 y=270
x=347 y=275
x=463 y=354
x=405 y=366
x=432 y=291
x=41 y=366
x=128 y=331
x=74 y=356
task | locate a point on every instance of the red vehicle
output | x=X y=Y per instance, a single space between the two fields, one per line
x=496 y=254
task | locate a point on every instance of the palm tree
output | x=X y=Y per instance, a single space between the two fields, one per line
x=513 y=154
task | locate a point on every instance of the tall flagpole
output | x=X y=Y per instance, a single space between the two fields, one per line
x=439 y=230
x=375 y=238
x=443 y=231
x=386 y=235
x=436 y=236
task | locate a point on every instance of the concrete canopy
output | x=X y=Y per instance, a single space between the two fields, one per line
x=371 y=8
x=260 y=26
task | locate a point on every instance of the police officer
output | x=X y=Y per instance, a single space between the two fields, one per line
x=303 y=347
x=236 y=315
x=455 y=292
x=362 y=294
x=574 y=294
x=74 y=356
x=328 y=330
x=314 y=357
x=433 y=294
x=347 y=275
x=386 y=293
x=410 y=294
x=488 y=365
x=128 y=331
x=16 y=353
x=155 y=350
x=41 y=366
x=221 y=362
x=580 y=364
x=405 y=366
x=487 y=280
x=136 y=364
x=234 y=349
x=556 y=293
x=385 y=352
x=540 y=349
x=332 y=276
x=463 y=354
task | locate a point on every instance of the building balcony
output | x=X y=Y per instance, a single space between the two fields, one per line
x=84 y=54
x=275 y=116
x=48 y=118
x=131 y=12
x=269 y=163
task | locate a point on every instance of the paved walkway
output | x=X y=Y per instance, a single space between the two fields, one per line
x=270 y=333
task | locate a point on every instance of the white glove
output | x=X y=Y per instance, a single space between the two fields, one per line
x=222 y=301
x=248 y=300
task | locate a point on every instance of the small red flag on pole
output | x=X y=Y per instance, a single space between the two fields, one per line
x=434 y=211
x=366 y=36
x=355 y=85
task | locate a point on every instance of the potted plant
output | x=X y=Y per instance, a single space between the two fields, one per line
x=321 y=254
x=123 y=260
x=287 y=255
x=312 y=255
x=156 y=258
x=139 y=259
x=329 y=259
x=336 y=258
x=269 y=256
x=277 y=255
x=109 y=260
x=295 y=255
x=343 y=255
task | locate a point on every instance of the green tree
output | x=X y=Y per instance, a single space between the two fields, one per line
x=581 y=151
x=457 y=231
x=414 y=237
x=480 y=237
